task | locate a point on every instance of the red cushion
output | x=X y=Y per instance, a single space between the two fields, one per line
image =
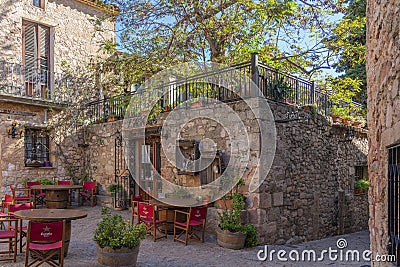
x=36 y=246
x=7 y=234
x=41 y=195
x=192 y=223
x=22 y=198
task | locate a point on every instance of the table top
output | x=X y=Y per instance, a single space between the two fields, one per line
x=50 y=214
x=56 y=187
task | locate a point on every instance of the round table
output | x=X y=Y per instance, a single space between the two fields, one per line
x=56 y=195
x=48 y=215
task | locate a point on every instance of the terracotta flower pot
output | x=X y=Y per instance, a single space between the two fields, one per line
x=336 y=119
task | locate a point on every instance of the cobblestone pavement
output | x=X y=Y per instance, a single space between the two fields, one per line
x=165 y=252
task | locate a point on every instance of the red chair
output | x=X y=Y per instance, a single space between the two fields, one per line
x=44 y=241
x=22 y=229
x=147 y=215
x=66 y=182
x=135 y=204
x=195 y=218
x=89 y=192
x=20 y=198
x=8 y=199
x=9 y=236
x=40 y=195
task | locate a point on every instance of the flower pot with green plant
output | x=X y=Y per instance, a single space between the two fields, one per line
x=117 y=240
x=361 y=186
x=231 y=232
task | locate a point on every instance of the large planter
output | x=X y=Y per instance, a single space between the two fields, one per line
x=230 y=240
x=117 y=257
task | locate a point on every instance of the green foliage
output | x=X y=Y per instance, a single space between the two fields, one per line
x=361 y=184
x=46 y=181
x=115 y=232
x=112 y=188
x=251 y=235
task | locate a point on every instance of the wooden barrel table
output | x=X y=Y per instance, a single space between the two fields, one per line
x=56 y=195
x=48 y=215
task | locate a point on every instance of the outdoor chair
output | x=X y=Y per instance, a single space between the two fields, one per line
x=88 y=193
x=8 y=199
x=67 y=182
x=135 y=204
x=22 y=229
x=8 y=236
x=147 y=215
x=195 y=222
x=40 y=195
x=45 y=240
x=20 y=198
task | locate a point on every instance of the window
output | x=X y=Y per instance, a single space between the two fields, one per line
x=36 y=147
x=361 y=173
x=38 y=3
x=36 y=57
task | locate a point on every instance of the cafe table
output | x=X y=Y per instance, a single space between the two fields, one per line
x=48 y=215
x=56 y=195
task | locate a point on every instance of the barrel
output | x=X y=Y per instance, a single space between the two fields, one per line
x=56 y=199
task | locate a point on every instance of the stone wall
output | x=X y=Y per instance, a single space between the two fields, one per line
x=308 y=193
x=383 y=76
x=75 y=38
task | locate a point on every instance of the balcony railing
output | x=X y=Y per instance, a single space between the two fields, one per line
x=273 y=84
x=33 y=83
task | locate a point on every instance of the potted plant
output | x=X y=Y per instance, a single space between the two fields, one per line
x=226 y=201
x=361 y=186
x=113 y=189
x=337 y=113
x=231 y=232
x=348 y=120
x=117 y=240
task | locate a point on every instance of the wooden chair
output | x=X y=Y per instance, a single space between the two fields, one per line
x=147 y=215
x=8 y=199
x=135 y=204
x=195 y=218
x=67 y=182
x=22 y=230
x=40 y=195
x=88 y=192
x=9 y=236
x=20 y=198
x=44 y=241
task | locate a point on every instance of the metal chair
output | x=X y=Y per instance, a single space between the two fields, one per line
x=45 y=240
x=88 y=193
x=147 y=215
x=195 y=218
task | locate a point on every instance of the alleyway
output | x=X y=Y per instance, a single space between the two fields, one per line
x=165 y=252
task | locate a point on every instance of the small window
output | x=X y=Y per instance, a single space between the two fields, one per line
x=38 y=3
x=36 y=147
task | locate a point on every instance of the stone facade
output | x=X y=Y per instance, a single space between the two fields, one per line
x=308 y=193
x=383 y=75
x=76 y=30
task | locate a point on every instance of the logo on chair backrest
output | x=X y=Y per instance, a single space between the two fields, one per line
x=197 y=215
x=46 y=232
x=145 y=210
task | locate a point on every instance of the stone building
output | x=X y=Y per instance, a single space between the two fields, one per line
x=308 y=193
x=383 y=72
x=43 y=45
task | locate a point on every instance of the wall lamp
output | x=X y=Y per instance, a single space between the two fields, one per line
x=14 y=131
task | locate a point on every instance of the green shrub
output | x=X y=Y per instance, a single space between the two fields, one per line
x=251 y=235
x=46 y=181
x=361 y=184
x=114 y=232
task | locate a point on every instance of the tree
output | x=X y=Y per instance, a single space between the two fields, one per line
x=347 y=42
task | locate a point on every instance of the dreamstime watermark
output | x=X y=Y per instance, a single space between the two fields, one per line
x=340 y=253
x=244 y=132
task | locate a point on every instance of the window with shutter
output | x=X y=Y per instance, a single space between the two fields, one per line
x=36 y=58
x=38 y=3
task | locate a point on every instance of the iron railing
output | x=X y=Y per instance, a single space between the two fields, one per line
x=224 y=85
x=33 y=83
x=394 y=202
